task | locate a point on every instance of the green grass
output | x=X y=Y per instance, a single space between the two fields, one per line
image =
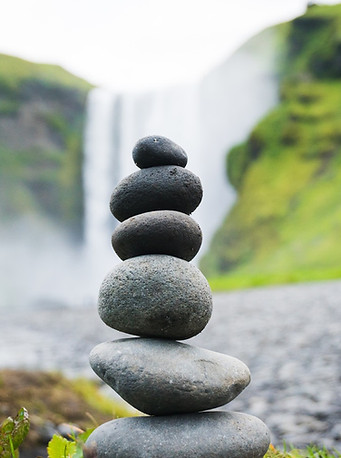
x=13 y=71
x=287 y=218
x=285 y=224
x=310 y=452
x=237 y=280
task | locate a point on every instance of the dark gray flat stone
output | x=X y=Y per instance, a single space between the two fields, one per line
x=157 y=150
x=167 y=187
x=200 y=435
x=161 y=377
x=158 y=232
x=156 y=295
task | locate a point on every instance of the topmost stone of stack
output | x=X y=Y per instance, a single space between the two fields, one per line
x=154 y=151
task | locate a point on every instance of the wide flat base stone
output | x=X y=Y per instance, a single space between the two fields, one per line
x=206 y=435
x=163 y=377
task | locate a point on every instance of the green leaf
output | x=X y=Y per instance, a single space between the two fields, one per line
x=13 y=433
x=80 y=441
x=21 y=428
x=84 y=436
x=59 y=447
x=79 y=452
x=7 y=426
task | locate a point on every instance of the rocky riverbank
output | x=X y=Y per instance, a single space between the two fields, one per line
x=289 y=336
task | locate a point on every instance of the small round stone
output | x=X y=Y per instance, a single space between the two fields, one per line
x=198 y=435
x=163 y=377
x=158 y=232
x=167 y=187
x=156 y=295
x=156 y=150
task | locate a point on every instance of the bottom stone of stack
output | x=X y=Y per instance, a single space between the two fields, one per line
x=204 y=434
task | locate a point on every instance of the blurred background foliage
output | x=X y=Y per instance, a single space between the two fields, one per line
x=286 y=222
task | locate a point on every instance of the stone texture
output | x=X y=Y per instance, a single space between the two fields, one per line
x=199 y=435
x=156 y=295
x=161 y=377
x=158 y=232
x=156 y=150
x=156 y=188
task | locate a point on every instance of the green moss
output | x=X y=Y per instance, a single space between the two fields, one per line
x=14 y=71
x=41 y=159
x=314 y=43
x=286 y=222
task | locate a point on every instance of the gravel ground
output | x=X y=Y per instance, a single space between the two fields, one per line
x=289 y=336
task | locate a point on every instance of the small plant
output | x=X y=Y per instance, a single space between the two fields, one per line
x=60 y=447
x=13 y=433
x=309 y=452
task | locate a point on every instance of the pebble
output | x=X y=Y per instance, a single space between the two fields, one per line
x=158 y=232
x=156 y=295
x=161 y=377
x=157 y=150
x=199 y=435
x=167 y=187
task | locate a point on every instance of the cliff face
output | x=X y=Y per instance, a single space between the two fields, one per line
x=42 y=110
x=287 y=217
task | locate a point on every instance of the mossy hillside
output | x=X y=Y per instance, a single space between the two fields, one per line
x=285 y=223
x=314 y=43
x=42 y=111
x=15 y=71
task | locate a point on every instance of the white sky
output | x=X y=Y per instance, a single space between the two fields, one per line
x=136 y=44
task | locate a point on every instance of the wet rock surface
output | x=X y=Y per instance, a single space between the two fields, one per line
x=156 y=188
x=162 y=377
x=203 y=435
x=289 y=337
x=157 y=150
x=158 y=232
x=156 y=295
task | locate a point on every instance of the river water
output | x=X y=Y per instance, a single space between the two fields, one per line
x=289 y=336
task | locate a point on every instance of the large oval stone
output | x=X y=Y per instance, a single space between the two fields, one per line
x=198 y=435
x=158 y=232
x=156 y=188
x=156 y=295
x=157 y=150
x=161 y=377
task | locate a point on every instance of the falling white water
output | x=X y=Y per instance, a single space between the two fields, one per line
x=100 y=176
x=206 y=119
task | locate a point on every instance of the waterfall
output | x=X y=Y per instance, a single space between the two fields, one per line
x=100 y=176
x=206 y=119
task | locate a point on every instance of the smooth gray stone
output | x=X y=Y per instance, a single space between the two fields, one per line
x=156 y=295
x=199 y=435
x=162 y=377
x=156 y=150
x=167 y=187
x=158 y=232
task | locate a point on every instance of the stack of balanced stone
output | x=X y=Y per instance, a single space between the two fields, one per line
x=156 y=294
